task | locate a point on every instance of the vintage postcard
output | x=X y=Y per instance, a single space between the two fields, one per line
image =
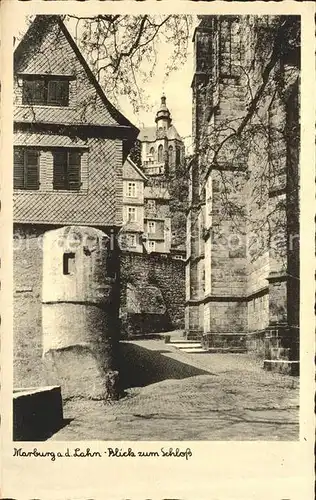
x=157 y=250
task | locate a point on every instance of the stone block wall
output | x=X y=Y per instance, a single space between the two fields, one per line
x=227 y=316
x=27 y=308
x=251 y=191
x=143 y=272
x=258 y=312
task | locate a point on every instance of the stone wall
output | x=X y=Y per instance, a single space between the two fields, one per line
x=157 y=283
x=27 y=316
x=248 y=183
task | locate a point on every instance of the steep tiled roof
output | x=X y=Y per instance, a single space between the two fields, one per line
x=48 y=48
x=131 y=171
x=149 y=134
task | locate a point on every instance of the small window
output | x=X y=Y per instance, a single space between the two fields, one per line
x=151 y=226
x=131 y=214
x=151 y=246
x=131 y=189
x=67 y=170
x=69 y=263
x=45 y=90
x=151 y=204
x=132 y=240
x=26 y=168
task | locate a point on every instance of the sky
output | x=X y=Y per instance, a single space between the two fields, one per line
x=177 y=89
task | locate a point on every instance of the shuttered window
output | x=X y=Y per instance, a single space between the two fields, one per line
x=26 y=168
x=67 y=170
x=45 y=90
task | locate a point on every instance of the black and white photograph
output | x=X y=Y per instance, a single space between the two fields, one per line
x=157 y=250
x=156 y=226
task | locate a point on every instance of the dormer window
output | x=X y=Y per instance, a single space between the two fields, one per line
x=45 y=90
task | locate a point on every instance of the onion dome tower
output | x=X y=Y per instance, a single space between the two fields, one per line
x=163 y=117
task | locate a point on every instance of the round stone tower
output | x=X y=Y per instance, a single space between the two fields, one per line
x=79 y=337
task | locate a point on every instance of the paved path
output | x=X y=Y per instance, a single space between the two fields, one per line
x=189 y=397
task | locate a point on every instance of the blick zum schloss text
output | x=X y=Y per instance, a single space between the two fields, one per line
x=109 y=452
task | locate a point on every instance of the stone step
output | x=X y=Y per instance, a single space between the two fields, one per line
x=184 y=341
x=223 y=350
x=194 y=350
x=184 y=345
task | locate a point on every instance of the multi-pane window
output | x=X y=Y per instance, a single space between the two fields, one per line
x=131 y=189
x=151 y=204
x=45 y=90
x=151 y=246
x=26 y=168
x=151 y=226
x=132 y=240
x=66 y=170
x=131 y=214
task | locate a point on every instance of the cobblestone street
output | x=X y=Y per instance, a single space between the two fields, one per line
x=194 y=397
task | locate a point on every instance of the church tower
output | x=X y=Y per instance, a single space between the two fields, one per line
x=163 y=117
x=162 y=153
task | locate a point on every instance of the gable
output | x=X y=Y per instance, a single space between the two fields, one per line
x=48 y=49
x=131 y=171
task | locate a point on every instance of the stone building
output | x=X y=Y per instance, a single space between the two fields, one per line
x=242 y=273
x=162 y=148
x=162 y=154
x=70 y=144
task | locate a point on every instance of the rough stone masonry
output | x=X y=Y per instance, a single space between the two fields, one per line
x=242 y=275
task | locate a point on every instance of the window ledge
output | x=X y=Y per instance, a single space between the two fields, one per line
x=51 y=191
x=50 y=106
